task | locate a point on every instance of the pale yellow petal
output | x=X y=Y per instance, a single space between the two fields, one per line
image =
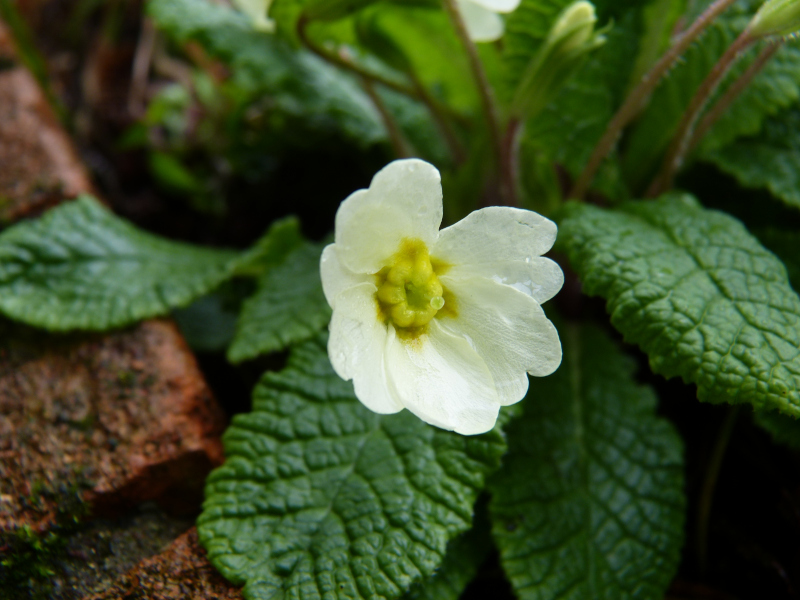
x=482 y=24
x=356 y=347
x=442 y=380
x=404 y=201
x=508 y=329
x=540 y=278
x=335 y=276
x=495 y=234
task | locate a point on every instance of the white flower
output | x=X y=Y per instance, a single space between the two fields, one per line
x=257 y=11
x=444 y=323
x=480 y=17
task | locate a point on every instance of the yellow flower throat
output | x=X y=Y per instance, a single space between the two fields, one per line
x=409 y=291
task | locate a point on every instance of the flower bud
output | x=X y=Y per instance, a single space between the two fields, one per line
x=574 y=27
x=776 y=17
x=570 y=39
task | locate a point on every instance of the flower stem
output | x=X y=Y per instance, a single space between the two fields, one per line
x=733 y=92
x=400 y=144
x=347 y=64
x=490 y=110
x=710 y=484
x=640 y=94
x=679 y=147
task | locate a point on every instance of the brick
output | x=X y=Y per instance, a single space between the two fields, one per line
x=182 y=572
x=41 y=166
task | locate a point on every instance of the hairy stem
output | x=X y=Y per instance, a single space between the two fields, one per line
x=732 y=93
x=400 y=144
x=639 y=96
x=490 y=110
x=679 y=147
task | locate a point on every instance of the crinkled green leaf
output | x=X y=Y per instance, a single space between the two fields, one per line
x=786 y=245
x=589 y=501
x=296 y=82
x=81 y=267
x=697 y=292
x=465 y=555
x=287 y=308
x=770 y=160
x=282 y=237
x=774 y=89
x=784 y=429
x=321 y=498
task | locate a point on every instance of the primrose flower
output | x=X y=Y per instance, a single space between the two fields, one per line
x=481 y=19
x=444 y=323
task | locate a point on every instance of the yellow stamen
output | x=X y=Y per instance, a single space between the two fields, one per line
x=409 y=291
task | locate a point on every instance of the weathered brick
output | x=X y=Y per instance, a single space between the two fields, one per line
x=181 y=572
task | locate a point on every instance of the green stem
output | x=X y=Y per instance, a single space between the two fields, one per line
x=488 y=103
x=639 y=96
x=679 y=147
x=710 y=484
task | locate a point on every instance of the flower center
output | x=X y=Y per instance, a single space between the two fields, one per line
x=409 y=292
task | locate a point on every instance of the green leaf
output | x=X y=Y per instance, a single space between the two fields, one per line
x=296 y=82
x=782 y=428
x=786 y=245
x=589 y=501
x=770 y=160
x=435 y=54
x=465 y=555
x=320 y=497
x=567 y=131
x=207 y=324
x=81 y=267
x=168 y=171
x=272 y=248
x=697 y=292
x=773 y=90
x=287 y=308
x=417 y=125
x=659 y=19
x=653 y=131
x=526 y=29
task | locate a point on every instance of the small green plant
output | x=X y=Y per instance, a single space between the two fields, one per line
x=606 y=118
